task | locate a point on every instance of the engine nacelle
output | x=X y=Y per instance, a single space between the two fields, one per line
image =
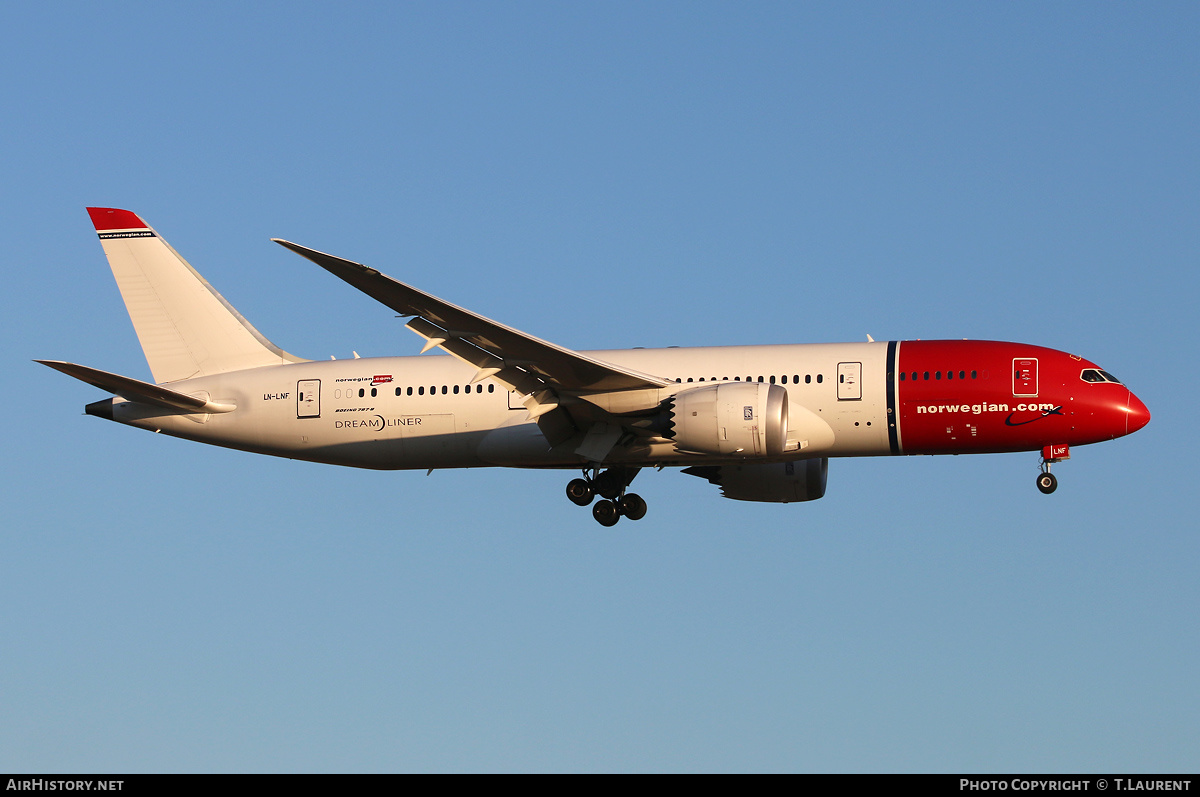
x=740 y=419
x=776 y=482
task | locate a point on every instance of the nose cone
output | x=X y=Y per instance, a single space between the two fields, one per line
x=1136 y=414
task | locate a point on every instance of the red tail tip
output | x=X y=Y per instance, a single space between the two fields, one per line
x=114 y=219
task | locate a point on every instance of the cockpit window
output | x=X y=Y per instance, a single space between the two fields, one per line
x=1096 y=375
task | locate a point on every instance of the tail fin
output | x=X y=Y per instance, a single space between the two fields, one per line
x=185 y=327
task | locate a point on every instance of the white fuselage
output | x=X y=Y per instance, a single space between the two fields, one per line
x=424 y=412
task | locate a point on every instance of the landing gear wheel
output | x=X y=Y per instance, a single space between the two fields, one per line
x=580 y=492
x=633 y=506
x=608 y=485
x=606 y=513
x=1047 y=483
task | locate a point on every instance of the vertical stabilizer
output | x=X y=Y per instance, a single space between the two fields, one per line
x=185 y=327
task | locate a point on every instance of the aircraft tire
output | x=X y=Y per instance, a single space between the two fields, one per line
x=580 y=492
x=606 y=513
x=1047 y=483
x=608 y=485
x=633 y=506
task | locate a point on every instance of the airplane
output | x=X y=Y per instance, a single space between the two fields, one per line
x=760 y=422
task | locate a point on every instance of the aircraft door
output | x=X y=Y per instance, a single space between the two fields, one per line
x=849 y=384
x=308 y=398
x=1025 y=378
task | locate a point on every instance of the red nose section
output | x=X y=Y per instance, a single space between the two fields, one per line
x=1137 y=415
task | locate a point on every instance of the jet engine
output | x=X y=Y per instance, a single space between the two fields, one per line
x=740 y=419
x=777 y=482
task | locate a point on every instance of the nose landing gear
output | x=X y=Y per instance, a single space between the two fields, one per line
x=1050 y=455
x=610 y=485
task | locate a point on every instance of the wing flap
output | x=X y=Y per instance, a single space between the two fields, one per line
x=489 y=365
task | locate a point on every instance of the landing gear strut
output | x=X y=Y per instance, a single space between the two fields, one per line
x=1051 y=454
x=610 y=485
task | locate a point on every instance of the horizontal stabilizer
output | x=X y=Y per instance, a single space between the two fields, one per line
x=136 y=390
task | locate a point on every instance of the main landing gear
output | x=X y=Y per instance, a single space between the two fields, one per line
x=610 y=486
x=1051 y=454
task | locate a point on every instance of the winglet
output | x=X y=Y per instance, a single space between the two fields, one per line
x=114 y=219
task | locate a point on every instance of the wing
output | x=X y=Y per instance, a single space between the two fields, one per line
x=529 y=364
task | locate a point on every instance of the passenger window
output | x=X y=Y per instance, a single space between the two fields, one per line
x=374 y=392
x=962 y=374
x=361 y=392
x=808 y=379
x=901 y=376
x=820 y=378
x=456 y=390
x=444 y=391
x=772 y=379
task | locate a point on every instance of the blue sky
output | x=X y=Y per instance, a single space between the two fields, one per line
x=626 y=174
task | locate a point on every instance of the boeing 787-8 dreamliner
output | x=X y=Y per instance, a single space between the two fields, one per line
x=761 y=422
